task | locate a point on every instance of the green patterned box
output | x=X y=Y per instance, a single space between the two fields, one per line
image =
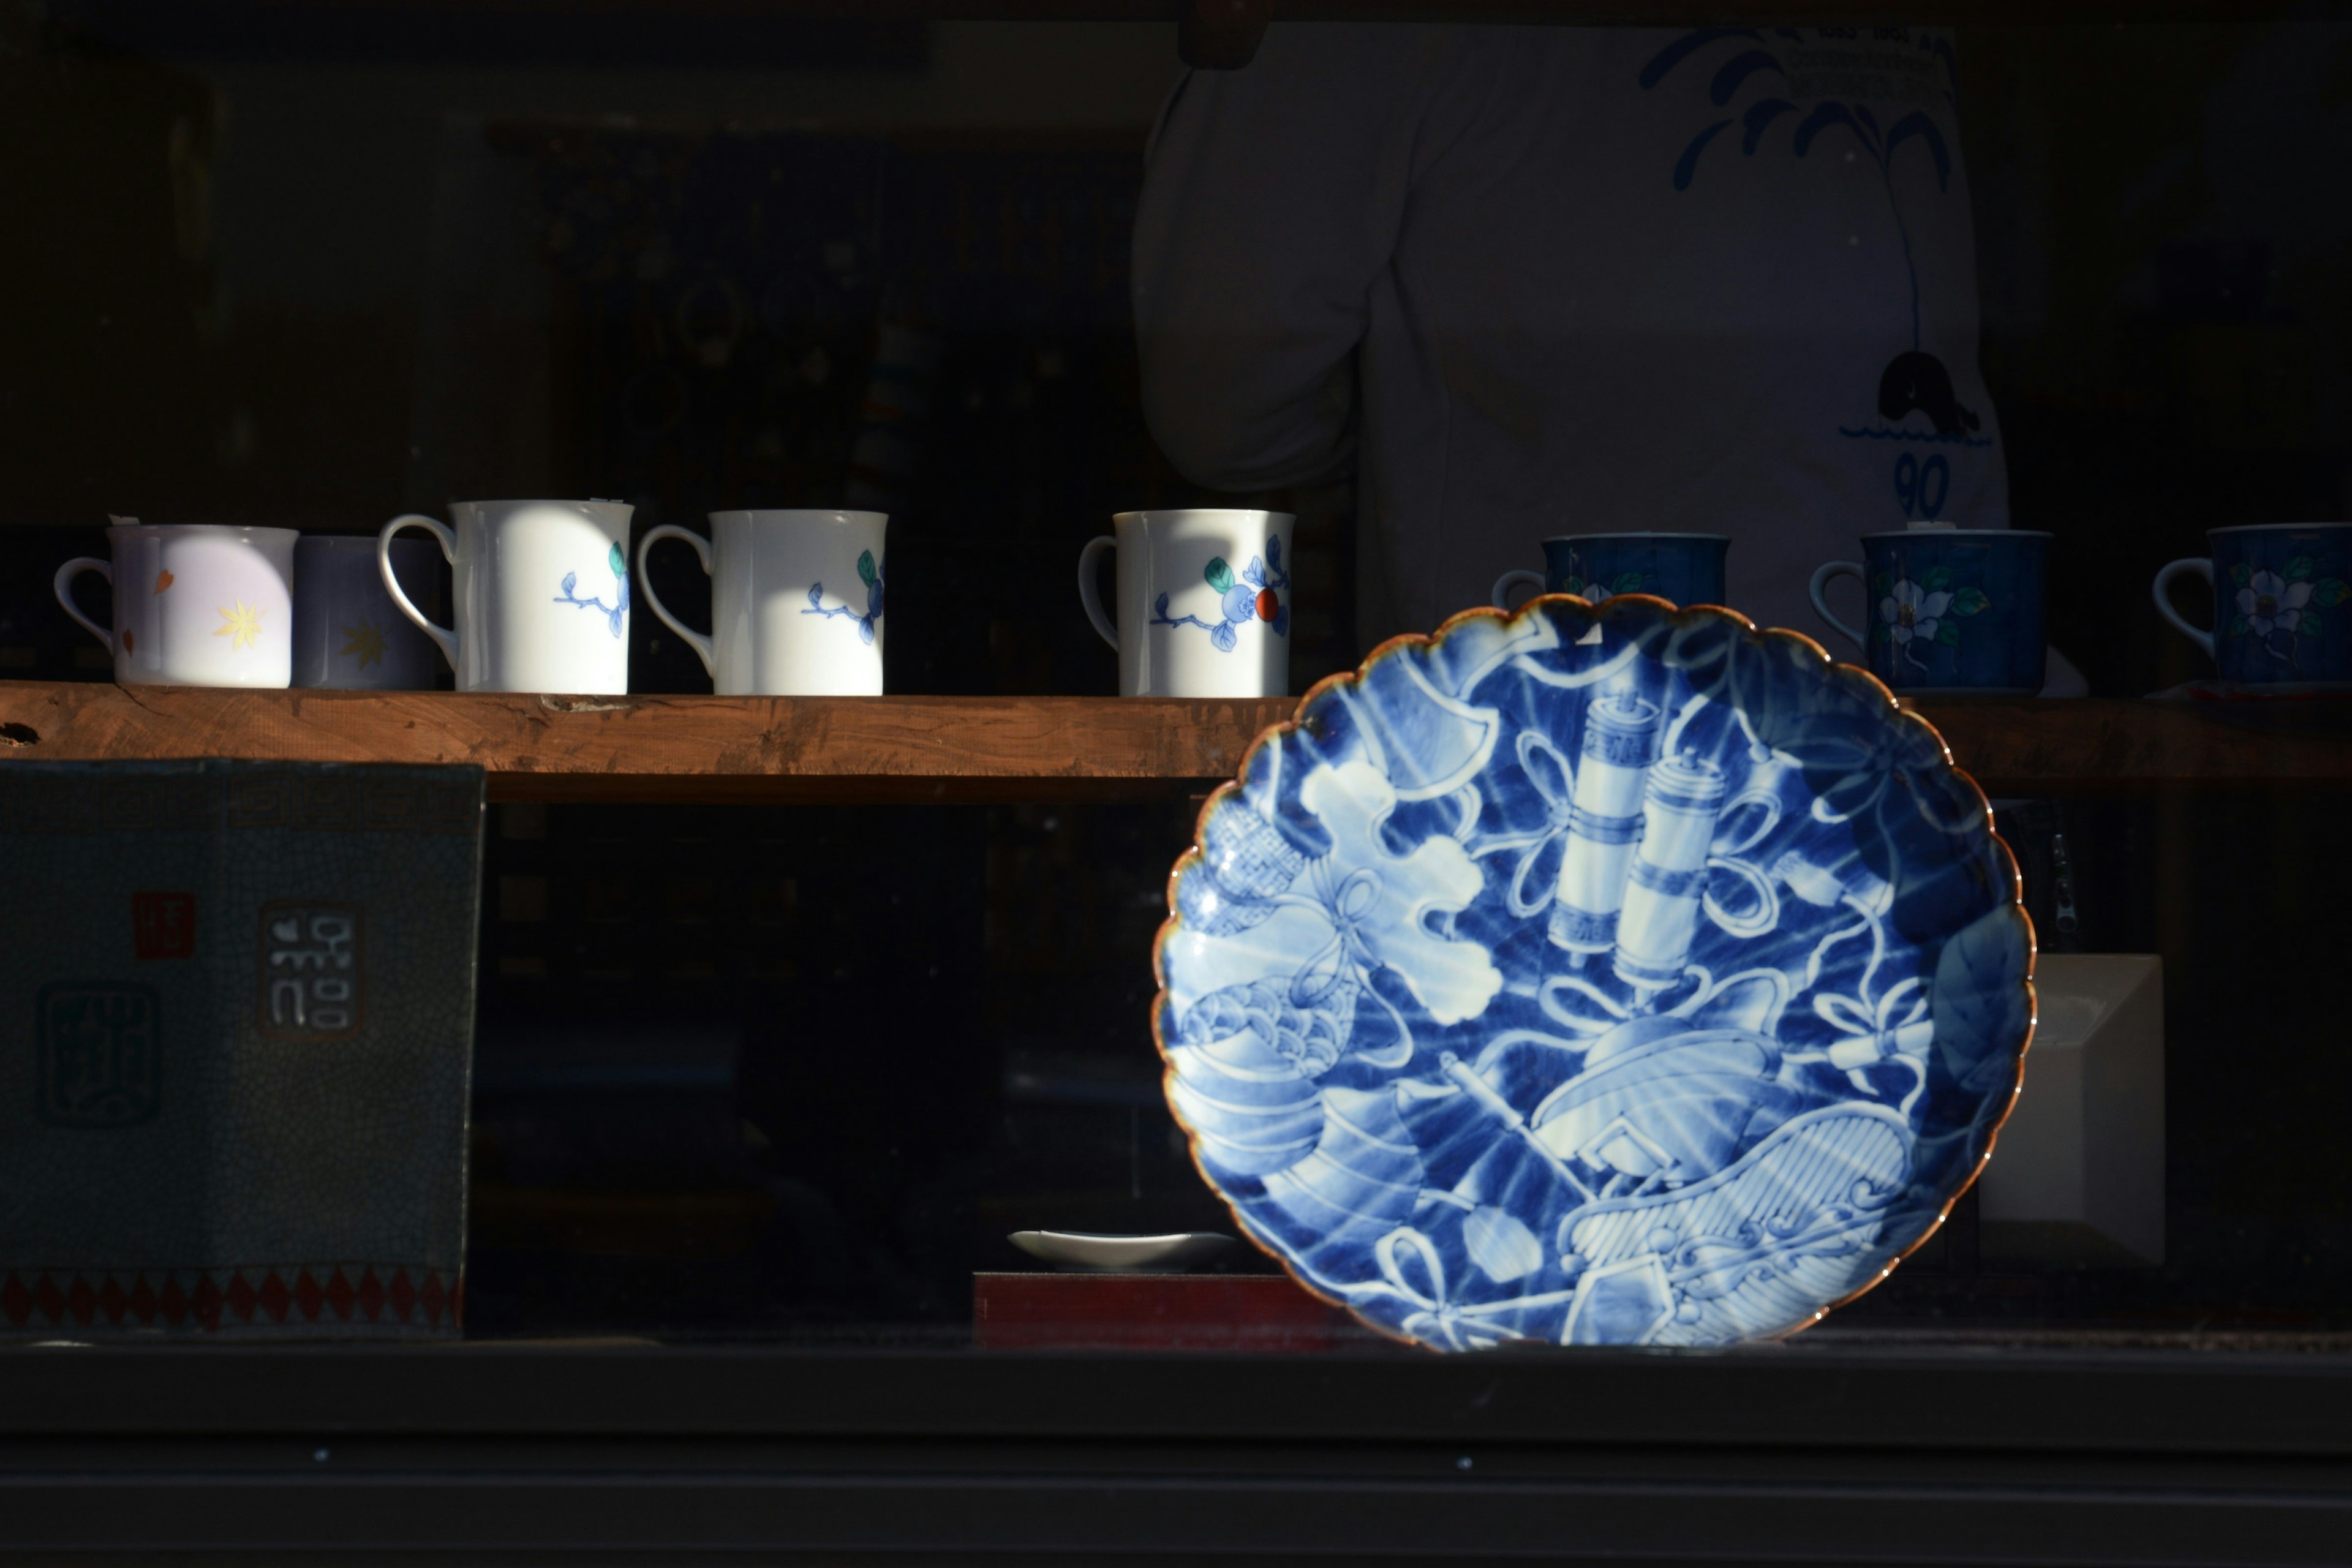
x=236 y=1023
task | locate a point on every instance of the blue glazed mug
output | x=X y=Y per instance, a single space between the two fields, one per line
x=2276 y=589
x=1952 y=611
x=1686 y=568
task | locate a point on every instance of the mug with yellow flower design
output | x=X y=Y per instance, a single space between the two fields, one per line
x=195 y=604
x=348 y=633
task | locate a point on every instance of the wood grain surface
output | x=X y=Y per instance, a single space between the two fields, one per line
x=2062 y=747
x=976 y=749
x=539 y=747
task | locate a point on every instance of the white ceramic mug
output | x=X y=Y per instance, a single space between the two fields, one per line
x=348 y=633
x=1204 y=602
x=195 y=604
x=795 y=602
x=542 y=593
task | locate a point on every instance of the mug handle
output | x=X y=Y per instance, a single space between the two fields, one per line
x=1510 y=580
x=694 y=639
x=1822 y=580
x=440 y=531
x=2203 y=567
x=63 y=583
x=1088 y=594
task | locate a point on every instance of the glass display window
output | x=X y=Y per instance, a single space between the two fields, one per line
x=1241 y=780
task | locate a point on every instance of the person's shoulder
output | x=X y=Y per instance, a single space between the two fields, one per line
x=1408 y=46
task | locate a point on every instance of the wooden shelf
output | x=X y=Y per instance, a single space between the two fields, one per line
x=977 y=749
x=2019 y=747
x=644 y=748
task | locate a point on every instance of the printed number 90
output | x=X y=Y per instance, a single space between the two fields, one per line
x=1922 y=487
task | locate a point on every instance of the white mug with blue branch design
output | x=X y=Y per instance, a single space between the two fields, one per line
x=796 y=601
x=542 y=593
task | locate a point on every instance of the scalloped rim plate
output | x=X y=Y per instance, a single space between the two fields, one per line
x=1394 y=1202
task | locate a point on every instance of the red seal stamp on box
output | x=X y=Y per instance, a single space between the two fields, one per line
x=163 y=925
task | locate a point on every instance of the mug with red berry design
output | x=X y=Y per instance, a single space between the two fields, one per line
x=1204 y=598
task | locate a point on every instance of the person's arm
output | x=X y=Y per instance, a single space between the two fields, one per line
x=1271 y=204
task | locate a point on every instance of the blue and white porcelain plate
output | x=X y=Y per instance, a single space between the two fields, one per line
x=1594 y=975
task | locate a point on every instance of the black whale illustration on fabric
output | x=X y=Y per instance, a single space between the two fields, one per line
x=1916 y=379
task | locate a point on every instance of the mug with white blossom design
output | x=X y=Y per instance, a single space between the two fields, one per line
x=1951 y=610
x=2277 y=589
x=1686 y=568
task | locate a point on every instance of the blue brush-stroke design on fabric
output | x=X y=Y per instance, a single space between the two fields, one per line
x=1759 y=119
x=1687 y=166
x=1738 y=69
x=1857 y=118
x=1942 y=49
x=1689 y=44
x=616 y=613
x=1597 y=976
x=1953 y=439
x=1917 y=123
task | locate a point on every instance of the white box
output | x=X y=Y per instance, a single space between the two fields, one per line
x=2077 y=1173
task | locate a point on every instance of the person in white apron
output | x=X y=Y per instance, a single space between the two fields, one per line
x=1534 y=280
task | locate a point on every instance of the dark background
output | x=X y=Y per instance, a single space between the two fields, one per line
x=796 y=1071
